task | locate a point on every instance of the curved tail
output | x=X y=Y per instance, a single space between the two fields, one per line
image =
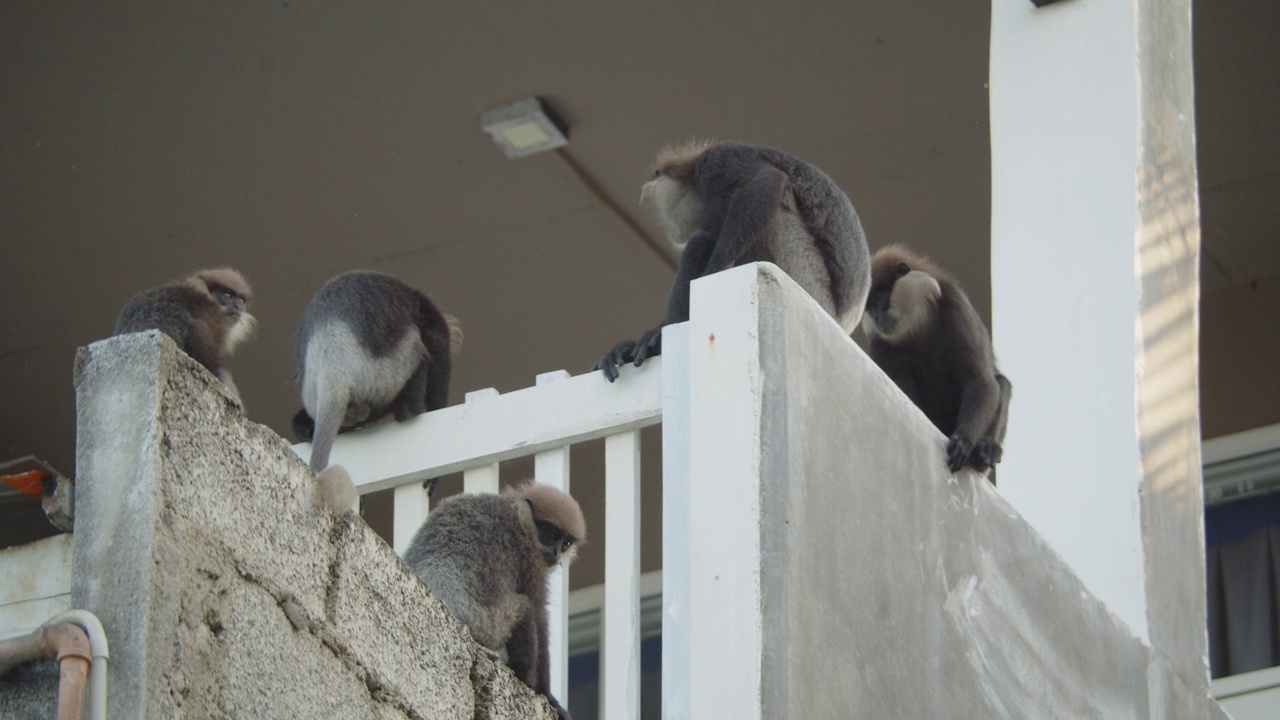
x=456 y=335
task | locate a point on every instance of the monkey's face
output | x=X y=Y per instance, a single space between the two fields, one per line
x=558 y=546
x=901 y=302
x=240 y=324
x=232 y=302
x=675 y=204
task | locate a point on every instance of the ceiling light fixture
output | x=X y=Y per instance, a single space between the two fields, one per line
x=524 y=127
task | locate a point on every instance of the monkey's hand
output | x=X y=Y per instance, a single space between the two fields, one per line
x=303 y=426
x=958 y=451
x=985 y=454
x=609 y=363
x=649 y=345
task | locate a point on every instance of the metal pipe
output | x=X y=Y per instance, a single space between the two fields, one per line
x=70 y=645
x=57 y=639
x=98 y=668
x=17 y=650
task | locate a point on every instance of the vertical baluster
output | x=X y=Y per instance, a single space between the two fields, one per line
x=620 y=671
x=551 y=467
x=676 y=548
x=483 y=479
x=408 y=512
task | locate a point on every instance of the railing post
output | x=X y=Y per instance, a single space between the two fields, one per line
x=408 y=511
x=725 y=414
x=676 y=548
x=620 y=639
x=483 y=479
x=551 y=467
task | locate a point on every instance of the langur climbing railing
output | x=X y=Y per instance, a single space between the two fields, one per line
x=542 y=421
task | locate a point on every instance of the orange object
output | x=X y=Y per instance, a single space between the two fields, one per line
x=27 y=483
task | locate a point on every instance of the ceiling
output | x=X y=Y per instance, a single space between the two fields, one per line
x=296 y=140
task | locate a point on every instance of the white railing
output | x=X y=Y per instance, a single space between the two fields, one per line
x=542 y=421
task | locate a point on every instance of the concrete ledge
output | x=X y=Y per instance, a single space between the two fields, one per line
x=224 y=590
x=891 y=589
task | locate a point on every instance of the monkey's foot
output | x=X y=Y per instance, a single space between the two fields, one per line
x=303 y=426
x=649 y=345
x=612 y=360
x=985 y=454
x=958 y=452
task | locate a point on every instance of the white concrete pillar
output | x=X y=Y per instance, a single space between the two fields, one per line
x=1094 y=291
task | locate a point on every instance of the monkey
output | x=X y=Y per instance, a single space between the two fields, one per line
x=730 y=204
x=486 y=557
x=369 y=346
x=205 y=314
x=926 y=336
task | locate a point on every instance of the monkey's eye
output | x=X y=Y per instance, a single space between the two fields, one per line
x=657 y=173
x=901 y=269
x=566 y=544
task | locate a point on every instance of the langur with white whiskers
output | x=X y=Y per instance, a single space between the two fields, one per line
x=926 y=336
x=205 y=314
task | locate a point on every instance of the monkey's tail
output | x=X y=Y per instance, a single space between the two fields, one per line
x=332 y=401
x=456 y=335
x=335 y=490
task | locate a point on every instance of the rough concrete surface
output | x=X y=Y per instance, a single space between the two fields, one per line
x=30 y=691
x=226 y=592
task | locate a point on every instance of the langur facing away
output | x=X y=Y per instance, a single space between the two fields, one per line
x=730 y=204
x=369 y=346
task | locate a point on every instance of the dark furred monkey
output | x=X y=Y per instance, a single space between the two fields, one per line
x=731 y=204
x=204 y=314
x=369 y=346
x=486 y=557
x=929 y=340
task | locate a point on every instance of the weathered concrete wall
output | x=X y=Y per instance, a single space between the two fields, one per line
x=224 y=591
x=889 y=588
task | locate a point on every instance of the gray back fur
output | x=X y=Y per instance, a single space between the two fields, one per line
x=478 y=555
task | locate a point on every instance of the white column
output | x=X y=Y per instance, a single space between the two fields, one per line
x=1087 y=99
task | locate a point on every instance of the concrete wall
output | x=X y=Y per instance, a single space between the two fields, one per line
x=887 y=587
x=223 y=590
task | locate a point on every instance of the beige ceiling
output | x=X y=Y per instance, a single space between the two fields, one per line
x=295 y=140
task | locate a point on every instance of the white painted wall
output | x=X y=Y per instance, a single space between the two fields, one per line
x=35 y=584
x=1065 y=292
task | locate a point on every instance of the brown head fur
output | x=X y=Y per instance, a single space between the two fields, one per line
x=888 y=257
x=676 y=161
x=224 y=276
x=551 y=505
